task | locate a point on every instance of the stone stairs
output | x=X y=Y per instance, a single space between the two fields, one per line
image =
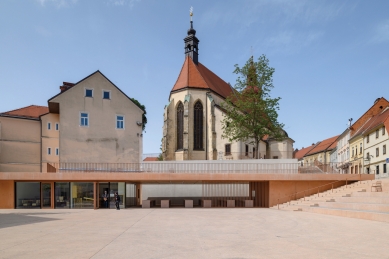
x=355 y=200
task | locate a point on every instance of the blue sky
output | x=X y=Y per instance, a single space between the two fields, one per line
x=331 y=58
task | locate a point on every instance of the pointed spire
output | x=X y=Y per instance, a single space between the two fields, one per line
x=191 y=42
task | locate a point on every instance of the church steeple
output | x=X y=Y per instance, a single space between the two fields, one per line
x=191 y=42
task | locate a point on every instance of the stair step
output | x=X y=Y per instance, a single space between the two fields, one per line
x=369 y=215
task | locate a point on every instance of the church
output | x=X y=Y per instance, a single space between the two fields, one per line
x=192 y=128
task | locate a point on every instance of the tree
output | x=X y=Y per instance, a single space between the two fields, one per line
x=250 y=111
x=143 y=108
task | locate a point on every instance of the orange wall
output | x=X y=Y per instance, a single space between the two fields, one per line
x=7 y=194
x=283 y=191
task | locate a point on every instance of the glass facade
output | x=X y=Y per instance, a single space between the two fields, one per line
x=28 y=195
x=111 y=188
x=62 y=195
x=82 y=195
x=67 y=195
x=46 y=195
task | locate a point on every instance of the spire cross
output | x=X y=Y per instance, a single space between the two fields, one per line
x=191 y=13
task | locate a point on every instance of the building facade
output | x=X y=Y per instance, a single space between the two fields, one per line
x=376 y=142
x=91 y=121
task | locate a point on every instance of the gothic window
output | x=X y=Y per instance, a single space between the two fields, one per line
x=180 y=126
x=198 y=126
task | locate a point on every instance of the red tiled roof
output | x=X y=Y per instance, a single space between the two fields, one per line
x=150 y=159
x=375 y=109
x=382 y=118
x=32 y=111
x=302 y=152
x=198 y=76
x=324 y=145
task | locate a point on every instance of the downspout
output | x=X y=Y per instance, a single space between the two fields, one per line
x=206 y=125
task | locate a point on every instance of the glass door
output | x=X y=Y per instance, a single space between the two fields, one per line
x=104 y=195
x=46 y=195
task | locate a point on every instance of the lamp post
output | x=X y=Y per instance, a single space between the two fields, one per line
x=367 y=159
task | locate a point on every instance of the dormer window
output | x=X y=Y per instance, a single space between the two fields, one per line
x=106 y=95
x=88 y=92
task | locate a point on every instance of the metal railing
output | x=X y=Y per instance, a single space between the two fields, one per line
x=213 y=167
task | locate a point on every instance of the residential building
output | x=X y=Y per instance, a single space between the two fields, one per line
x=343 y=149
x=91 y=121
x=299 y=154
x=321 y=152
x=192 y=127
x=376 y=143
x=20 y=139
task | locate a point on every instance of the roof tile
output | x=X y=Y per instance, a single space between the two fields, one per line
x=32 y=111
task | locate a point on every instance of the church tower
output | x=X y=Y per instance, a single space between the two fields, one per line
x=191 y=42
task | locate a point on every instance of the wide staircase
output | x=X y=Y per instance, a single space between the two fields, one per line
x=357 y=200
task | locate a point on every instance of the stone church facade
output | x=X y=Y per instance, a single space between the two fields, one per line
x=192 y=127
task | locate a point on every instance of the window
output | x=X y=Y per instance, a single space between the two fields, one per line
x=56 y=126
x=247 y=150
x=57 y=151
x=88 y=92
x=227 y=150
x=383 y=130
x=106 y=95
x=384 y=149
x=275 y=157
x=49 y=150
x=49 y=126
x=254 y=152
x=360 y=148
x=377 y=152
x=180 y=126
x=367 y=139
x=377 y=169
x=368 y=170
x=120 y=122
x=376 y=134
x=84 y=119
x=198 y=126
x=384 y=167
x=352 y=153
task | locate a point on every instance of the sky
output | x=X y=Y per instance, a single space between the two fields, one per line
x=331 y=58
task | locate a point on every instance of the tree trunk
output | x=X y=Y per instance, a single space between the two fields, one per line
x=256 y=149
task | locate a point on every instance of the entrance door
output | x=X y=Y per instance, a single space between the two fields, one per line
x=104 y=196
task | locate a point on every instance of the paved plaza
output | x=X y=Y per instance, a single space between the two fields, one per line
x=188 y=233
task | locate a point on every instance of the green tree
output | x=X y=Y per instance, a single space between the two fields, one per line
x=250 y=111
x=144 y=118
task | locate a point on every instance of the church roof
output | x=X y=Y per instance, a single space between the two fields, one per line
x=200 y=77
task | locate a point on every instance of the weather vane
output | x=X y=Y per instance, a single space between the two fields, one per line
x=191 y=13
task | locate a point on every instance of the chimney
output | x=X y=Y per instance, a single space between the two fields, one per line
x=65 y=86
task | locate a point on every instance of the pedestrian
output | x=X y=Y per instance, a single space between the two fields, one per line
x=105 y=199
x=117 y=200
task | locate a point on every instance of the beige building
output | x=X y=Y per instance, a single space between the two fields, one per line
x=376 y=143
x=321 y=152
x=91 y=121
x=20 y=139
x=192 y=127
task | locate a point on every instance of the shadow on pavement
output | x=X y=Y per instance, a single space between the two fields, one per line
x=17 y=219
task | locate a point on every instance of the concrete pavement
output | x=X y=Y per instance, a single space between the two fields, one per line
x=188 y=233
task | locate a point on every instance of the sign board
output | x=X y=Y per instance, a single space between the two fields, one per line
x=387 y=160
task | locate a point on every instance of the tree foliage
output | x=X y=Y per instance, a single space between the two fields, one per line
x=250 y=111
x=144 y=118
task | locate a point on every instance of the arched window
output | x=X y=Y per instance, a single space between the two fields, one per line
x=198 y=126
x=180 y=126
